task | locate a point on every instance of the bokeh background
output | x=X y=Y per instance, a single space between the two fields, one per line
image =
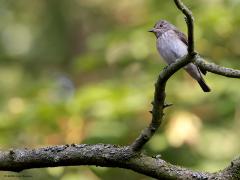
x=83 y=71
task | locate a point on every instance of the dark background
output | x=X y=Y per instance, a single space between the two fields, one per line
x=83 y=71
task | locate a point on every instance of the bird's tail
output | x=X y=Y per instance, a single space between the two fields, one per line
x=203 y=85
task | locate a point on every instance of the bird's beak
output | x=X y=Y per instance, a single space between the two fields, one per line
x=151 y=30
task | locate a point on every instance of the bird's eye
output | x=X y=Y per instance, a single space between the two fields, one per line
x=160 y=25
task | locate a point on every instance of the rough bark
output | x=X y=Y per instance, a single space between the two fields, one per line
x=106 y=156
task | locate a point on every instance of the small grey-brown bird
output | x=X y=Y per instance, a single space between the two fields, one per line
x=172 y=44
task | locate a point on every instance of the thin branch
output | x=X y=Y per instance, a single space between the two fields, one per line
x=106 y=156
x=190 y=24
x=216 y=69
x=159 y=94
x=159 y=102
x=211 y=67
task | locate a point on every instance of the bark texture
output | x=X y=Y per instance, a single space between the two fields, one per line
x=107 y=156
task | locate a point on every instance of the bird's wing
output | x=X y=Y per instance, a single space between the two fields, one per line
x=184 y=39
x=182 y=36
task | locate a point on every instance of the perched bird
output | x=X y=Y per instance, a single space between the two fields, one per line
x=172 y=44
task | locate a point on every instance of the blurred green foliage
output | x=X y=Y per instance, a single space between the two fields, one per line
x=83 y=71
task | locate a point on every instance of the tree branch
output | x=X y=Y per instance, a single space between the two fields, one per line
x=190 y=24
x=106 y=156
x=211 y=67
x=159 y=94
x=159 y=102
x=216 y=69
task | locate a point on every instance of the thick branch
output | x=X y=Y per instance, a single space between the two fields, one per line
x=106 y=156
x=216 y=69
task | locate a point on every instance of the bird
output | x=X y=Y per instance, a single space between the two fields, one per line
x=172 y=44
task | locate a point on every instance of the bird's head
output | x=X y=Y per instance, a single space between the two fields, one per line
x=161 y=27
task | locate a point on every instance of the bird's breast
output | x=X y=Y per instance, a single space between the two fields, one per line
x=171 y=47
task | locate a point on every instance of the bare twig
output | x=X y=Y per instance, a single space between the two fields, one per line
x=190 y=24
x=211 y=67
x=107 y=156
x=159 y=102
x=216 y=69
